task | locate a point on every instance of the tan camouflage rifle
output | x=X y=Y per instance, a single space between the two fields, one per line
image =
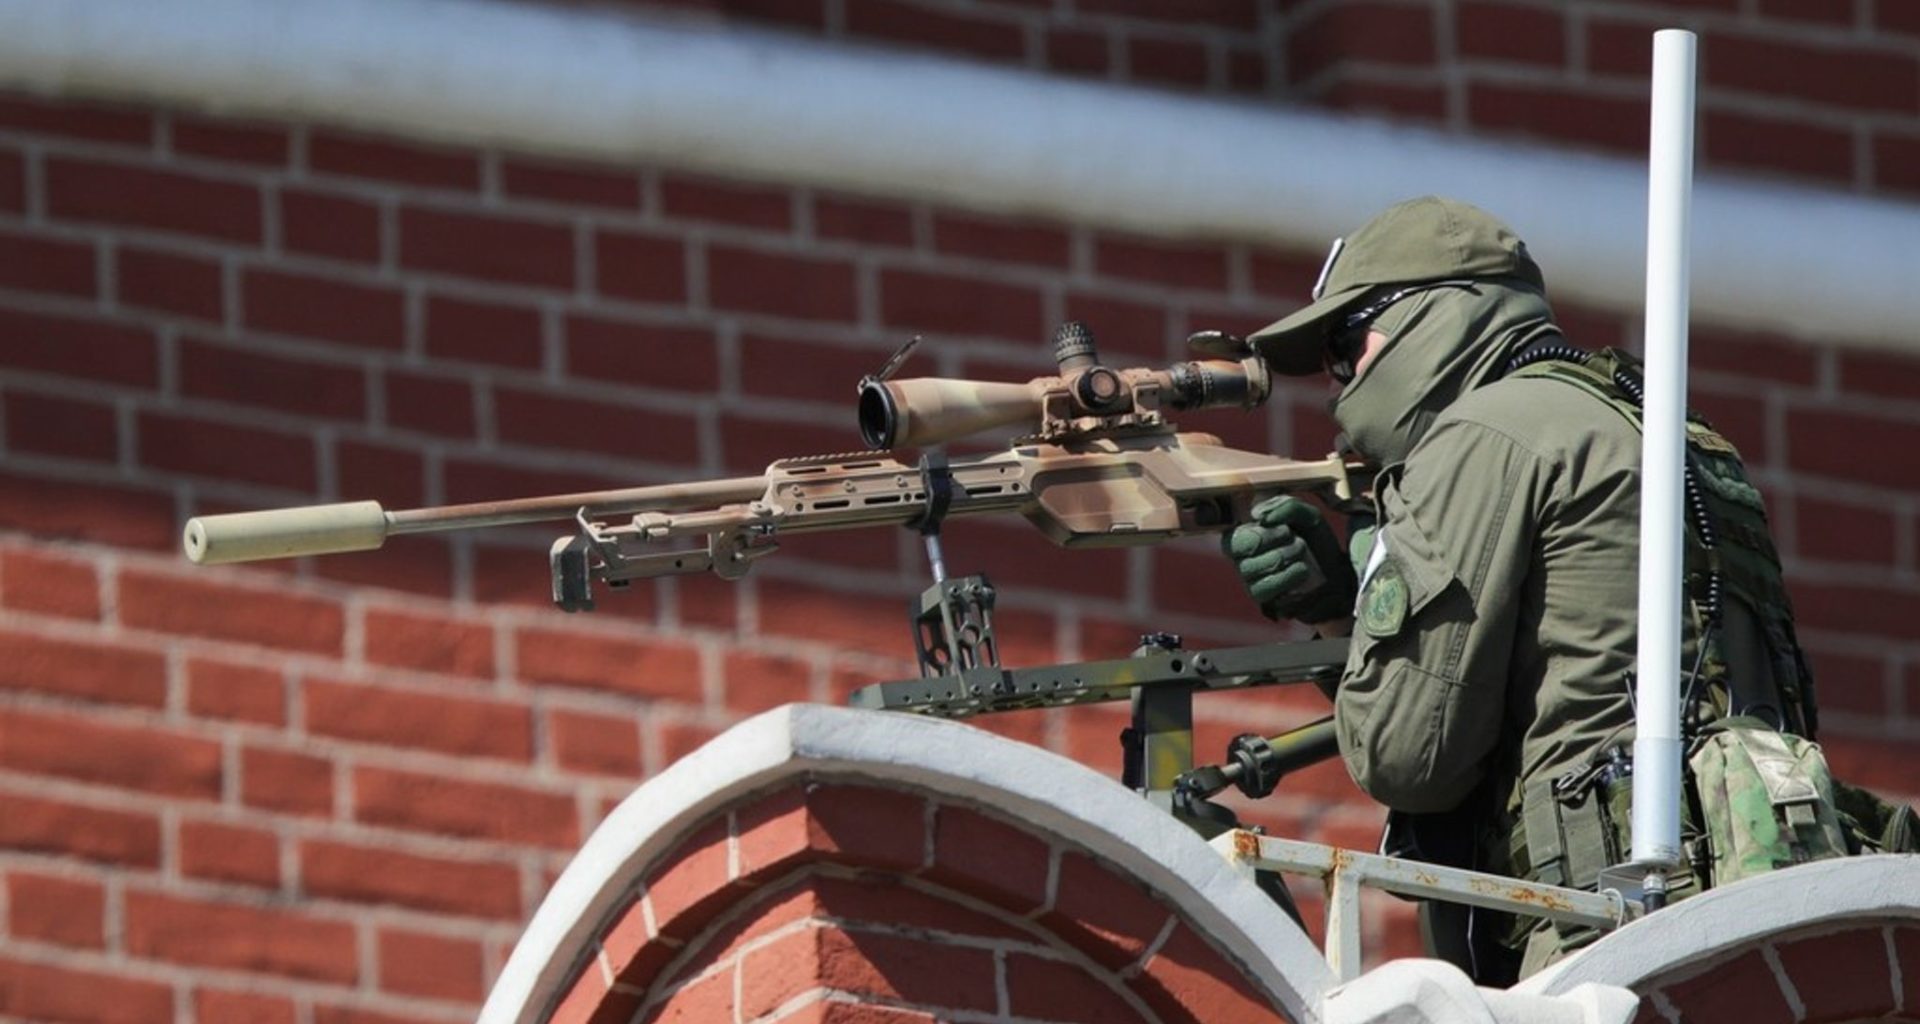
x=1099 y=465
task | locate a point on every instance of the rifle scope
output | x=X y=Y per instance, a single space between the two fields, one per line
x=933 y=410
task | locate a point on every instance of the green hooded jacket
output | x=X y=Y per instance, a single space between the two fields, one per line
x=1495 y=624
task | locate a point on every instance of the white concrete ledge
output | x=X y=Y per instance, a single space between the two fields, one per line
x=1825 y=265
x=1840 y=891
x=946 y=759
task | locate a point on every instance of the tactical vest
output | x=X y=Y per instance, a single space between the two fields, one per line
x=1729 y=556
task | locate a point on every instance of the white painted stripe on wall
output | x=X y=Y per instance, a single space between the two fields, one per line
x=608 y=85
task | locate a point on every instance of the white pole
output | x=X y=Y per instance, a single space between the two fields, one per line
x=1657 y=743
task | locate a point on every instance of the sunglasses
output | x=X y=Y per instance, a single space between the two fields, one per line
x=1347 y=337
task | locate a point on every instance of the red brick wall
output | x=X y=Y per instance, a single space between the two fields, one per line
x=336 y=788
x=1818 y=90
x=915 y=908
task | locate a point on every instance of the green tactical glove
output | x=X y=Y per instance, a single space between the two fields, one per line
x=1292 y=564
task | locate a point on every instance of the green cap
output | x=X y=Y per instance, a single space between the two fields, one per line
x=1425 y=239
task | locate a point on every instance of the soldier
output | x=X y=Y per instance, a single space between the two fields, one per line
x=1487 y=695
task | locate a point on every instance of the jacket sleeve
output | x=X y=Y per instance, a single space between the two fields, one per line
x=1420 y=707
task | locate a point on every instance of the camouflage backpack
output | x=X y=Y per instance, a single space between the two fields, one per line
x=1766 y=800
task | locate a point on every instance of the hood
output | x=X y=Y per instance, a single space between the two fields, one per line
x=1441 y=344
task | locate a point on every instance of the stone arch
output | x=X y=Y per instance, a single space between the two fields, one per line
x=846 y=840
x=1824 y=943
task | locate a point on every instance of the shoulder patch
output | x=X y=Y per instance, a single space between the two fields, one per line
x=1383 y=604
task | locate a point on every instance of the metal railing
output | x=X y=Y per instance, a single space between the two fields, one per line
x=1345 y=872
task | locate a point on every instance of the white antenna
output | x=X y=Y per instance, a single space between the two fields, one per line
x=1657 y=742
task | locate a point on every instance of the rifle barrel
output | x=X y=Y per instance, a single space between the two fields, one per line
x=364 y=525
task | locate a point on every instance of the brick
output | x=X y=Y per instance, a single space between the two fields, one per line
x=1841 y=977
x=853 y=220
x=1621 y=47
x=1850 y=77
x=1414 y=102
x=154 y=200
x=378 y=159
x=87 y=122
x=429 y=643
x=212 y=1006
x=876 y=900
x=229 y=853
x=86 y=349
x=395 y=477
x=843 y=824
x=323 y=1014
x=678 y=739
x=369 y=316
x=1001 y=240
x=1743 y=990
x=1823 y=442
x=461 y=726
x=1906 y=944
x=1248 y=71
x=42 y=991
x=644 y=668
x=1125 y=329
x=483 y=332
x=61 y=910
x=599 y=744
x=383 y=875
x=1015 y=557
x=895 y=21
x=693 y=883
x=855 y=1013
x=65 y=428
x=544 y=419
x=926 y=974
x=1830 y=531
x=1606 y=122
x=1758 y=356
x=13 y=182
x=668 y=356
x=639 y=268
x=1109 y=917
x=778 y=284
x=726 y=202
x=95 y=670
x=246 y=142
x=756 y=682
x=1871 y=373
x=1078 y=51
x=244 y=693
x=775 y=365
x=242 y=938
x=320 y=223
x=431 y=966
x=126 y=757
x=78 y=831
x=286 y=781
x=709 y=999
x=1186 y=979
x=430 y=403
x=576 y=184
x=190 y=607
x=1509 y=32
x=1851 y=684
x=1359 y=31
x=1896 y=162
x=954 y=304
x=1056 y=990
x=989 y=859
x=1177 y=266
x=1234 y=14
x=48 y=584
x=167 y=282
x=1885 y=766
x=48 y=265
x=463 y=807
x=223 y=373
x=505 y=250
x=1772 y=144
x=1163 y=61
x=469 y=480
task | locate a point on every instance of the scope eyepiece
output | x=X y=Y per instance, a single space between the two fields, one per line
x=879 y=419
